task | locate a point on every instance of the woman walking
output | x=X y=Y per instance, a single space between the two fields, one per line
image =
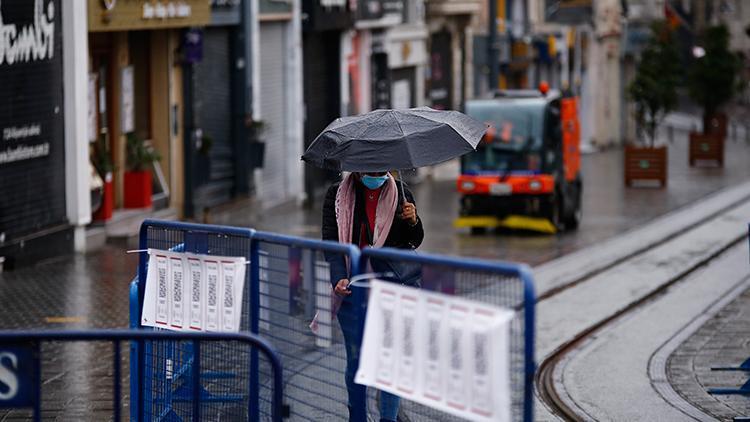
x=366 y=209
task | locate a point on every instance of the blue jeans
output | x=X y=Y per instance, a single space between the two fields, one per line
x=389 y=403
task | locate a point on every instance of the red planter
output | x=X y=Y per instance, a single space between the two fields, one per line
x=104 y=212
x=137 y=189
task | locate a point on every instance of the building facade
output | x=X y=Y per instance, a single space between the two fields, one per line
x=34 y=215
x=136 y=55
x=450 y=47
x=279 y=102
x=214 y=68
x=326 y=47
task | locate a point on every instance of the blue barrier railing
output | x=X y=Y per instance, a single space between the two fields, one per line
x=226 y=367
x=26 y=345
x=292 y=281
x=288 y=285
x=502 y=284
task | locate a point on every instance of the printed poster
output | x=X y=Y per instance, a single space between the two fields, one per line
x=193 y=292
x=444 y=352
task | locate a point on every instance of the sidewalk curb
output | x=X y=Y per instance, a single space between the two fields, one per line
x=657 y=368
x=554 y=275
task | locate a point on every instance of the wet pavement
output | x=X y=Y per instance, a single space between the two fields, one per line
x=608 y=208
x=92 y=290
x=722 y=341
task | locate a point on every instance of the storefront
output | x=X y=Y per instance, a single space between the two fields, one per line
x=33 y=217
x=451 y=53
x=137 y=49
x=328 y=75
x=213 y=113
x=280 y=179
x=408 y=58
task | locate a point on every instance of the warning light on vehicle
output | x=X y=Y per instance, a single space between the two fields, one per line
x=543 y=87
x=535 y=185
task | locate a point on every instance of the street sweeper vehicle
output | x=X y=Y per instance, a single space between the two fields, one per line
x=525 y=174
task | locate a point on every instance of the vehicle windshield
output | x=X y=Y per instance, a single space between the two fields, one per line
x=515 y=124
x=515 y=136
x=488 y=159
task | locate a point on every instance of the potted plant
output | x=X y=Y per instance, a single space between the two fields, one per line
x=102 y=162
x=138 y=181
x=654 y=92
x=712 y=82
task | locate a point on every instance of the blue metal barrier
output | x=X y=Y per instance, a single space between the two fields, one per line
x=294 y=288
x=23 y=351
x=288 y=285
x=502 y=284
x=226 y=367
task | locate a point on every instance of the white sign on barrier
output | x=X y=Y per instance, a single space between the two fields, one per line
x=193 y=292
x=441 y=351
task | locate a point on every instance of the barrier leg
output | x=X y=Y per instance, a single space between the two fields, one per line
x=744 y=366
x=743 y=391
x=353 y=328
x=254 y=399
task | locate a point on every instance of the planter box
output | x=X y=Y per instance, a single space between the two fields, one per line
x=104 y=212
x=137 y=189
x=645 y=164
x=716 y=124
x=706 y=147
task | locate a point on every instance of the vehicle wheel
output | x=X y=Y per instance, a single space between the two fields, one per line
x=574 y=219
x=552 y=212
x=478 y=230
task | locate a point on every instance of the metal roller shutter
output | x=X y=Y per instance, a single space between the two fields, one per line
x=274 y=185
x=213 y=114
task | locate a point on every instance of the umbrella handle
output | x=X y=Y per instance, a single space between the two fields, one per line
x=403 y=192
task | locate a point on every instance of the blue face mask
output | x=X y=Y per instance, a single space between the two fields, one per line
x=372 y=182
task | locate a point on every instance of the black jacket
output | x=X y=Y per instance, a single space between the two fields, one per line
x=402 y=235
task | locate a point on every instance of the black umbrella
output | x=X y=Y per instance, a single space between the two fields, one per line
x=384 y=140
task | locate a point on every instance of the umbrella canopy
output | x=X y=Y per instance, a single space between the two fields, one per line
x=384 y=140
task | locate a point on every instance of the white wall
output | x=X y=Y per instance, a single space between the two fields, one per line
x=75 y=70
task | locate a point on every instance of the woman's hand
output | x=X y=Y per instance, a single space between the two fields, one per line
x=409 y=213
x=341 y=288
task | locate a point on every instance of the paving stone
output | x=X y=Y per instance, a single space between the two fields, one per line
x=723 y=341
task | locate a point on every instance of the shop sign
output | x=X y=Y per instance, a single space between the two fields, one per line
x=274 y=7
x=324 y=15
x=27 y=50
x=32 y=161
x=375 y=10
x=127 y=105
x=572 y=12
x=28 y=42
x=226 y=12
x=193 y=46
x=123 y=15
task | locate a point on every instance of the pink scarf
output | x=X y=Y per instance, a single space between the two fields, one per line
x=345 y=201
x=387 y=203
